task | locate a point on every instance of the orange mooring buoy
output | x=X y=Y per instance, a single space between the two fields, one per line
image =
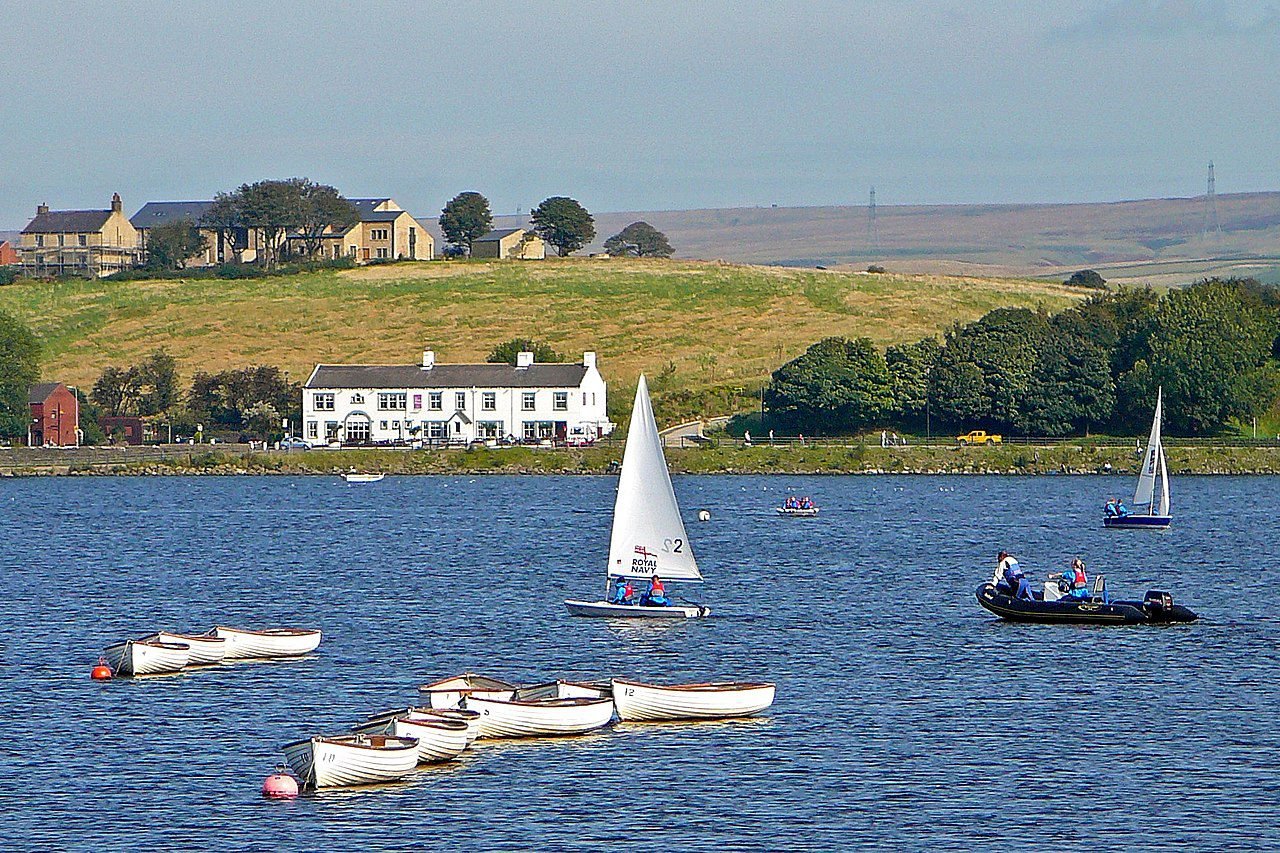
x=101 y=672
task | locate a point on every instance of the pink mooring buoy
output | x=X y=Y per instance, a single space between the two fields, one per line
x=280 y=785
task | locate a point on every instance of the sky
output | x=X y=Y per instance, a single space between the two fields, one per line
x=638 y=105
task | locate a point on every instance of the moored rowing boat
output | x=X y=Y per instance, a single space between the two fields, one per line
x=271 y=643
x=637 y=701
x=448 y=692
x=204 y=649
x=544 y=718
x=439 y=739
x=564 y=690
x=327 y=762
x=146 y=657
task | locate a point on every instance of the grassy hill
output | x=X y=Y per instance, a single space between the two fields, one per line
x=692 y=326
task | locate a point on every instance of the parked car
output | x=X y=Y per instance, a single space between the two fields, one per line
x=979 y=437
x=293 y=443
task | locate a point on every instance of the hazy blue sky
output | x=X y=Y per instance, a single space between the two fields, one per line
x=639 y=105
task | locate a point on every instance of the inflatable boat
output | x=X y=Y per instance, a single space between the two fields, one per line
x=1156 y=608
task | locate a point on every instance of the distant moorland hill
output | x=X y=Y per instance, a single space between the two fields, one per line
x=694 y=326
x=1156 y=241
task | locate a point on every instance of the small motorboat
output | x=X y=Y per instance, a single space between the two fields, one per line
x=439 y=739
x=329 y=762
x=146 y=657
x=205 y=650
x=271 y=643
x=541 y=718
x=565 y=690
x=1156 y=607
x=637 y=701
x=797 y=511
x=356 y=477
x=449 y=692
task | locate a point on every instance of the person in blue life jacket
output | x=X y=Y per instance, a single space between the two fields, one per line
x=622 y=592
x=655 y=595
x=1121 y=509
x=1111 y=508
x=1076 y=579
x=1016 y=580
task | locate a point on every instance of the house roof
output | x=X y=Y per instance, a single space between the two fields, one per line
x=155 y=213
x=63 y=221
x=498 y=234
x=340 y=376
x=367 y=205
x=41 y=391
x=381 y=215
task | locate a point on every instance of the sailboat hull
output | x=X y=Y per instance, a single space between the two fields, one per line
x=1137 y=522
x=634 y=611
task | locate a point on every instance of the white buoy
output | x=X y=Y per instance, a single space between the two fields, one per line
x=704 y=515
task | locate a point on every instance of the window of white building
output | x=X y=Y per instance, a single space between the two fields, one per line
x=392 y=401
x=313 y=429
x=560 y=401
x=528 y=401
x=322 y=402
x=357 y=399
x=489 y=429
x=460 y=401
x=489 y=401
x=435 y=401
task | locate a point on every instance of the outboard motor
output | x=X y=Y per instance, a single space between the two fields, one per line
x=1159 y=605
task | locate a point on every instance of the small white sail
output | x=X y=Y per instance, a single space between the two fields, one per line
x=1144 y=495
x=648 y=534
x=1164 y=485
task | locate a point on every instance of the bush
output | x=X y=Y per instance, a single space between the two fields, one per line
x=8 y=275
x=876 y=268
x=233 y=271
x=1087 y=278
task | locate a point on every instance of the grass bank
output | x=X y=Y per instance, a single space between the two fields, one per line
x=693 y=326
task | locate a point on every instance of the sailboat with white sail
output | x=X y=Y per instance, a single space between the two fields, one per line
x=1151 y=498
x=648 y=539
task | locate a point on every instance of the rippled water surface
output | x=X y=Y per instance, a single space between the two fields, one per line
x=906 y=716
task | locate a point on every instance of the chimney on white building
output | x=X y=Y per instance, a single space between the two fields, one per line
x=428 y=359
x=588 y=359
x=524 y=359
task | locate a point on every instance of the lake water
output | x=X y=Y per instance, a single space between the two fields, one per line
x=906 y=716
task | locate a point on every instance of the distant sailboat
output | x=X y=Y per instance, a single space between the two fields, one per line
x=648 y=536
x=1151 y=498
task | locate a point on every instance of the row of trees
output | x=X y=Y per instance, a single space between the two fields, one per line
x=19 y=370
x=560 y=221
x=1212 y=347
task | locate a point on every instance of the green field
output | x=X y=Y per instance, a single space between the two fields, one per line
x=693 y=326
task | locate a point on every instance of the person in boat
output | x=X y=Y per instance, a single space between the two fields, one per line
x=1015 y=580
x=655 y=595
x=1121 y=509
x=997 y=579
x=622 y=592
x=1076 y=579
x=1111 y=508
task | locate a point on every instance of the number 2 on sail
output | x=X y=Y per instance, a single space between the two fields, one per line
x=673 y=546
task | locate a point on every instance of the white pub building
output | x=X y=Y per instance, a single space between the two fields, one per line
x=438 y=404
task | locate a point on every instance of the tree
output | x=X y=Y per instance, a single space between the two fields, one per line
x=171 y=245
x=157 y=383
x=1209 y=347
x=465 y=219
x=323 y=211
x=1071 y=387
x=909 y=367
x=226 y=398
x=270 y=209
x=836 y=385
x=563 y=223
x=262 y=418
x=223 y=217
x=1086 y=278
x=641 y=240
x=1002 y=347
x=117 y=390
x=90 y=415
x=506 y=352
x=19 y=370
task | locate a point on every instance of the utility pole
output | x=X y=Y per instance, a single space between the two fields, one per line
x=873 y=230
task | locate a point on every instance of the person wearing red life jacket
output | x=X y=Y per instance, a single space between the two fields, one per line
x=656 y=594
x=1077 y=578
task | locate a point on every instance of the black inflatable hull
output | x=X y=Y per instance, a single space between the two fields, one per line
x=1077 y=612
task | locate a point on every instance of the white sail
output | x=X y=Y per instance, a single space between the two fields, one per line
x=648 y=534
x=1164 y=485
x=1144 y=495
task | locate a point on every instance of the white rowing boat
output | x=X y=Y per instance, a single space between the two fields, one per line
x=205 y=650
x=272 y=643
x=648 y=538
x=353 y=477
x=471 y=718
x=146 y=657
x=639 y=701
x=564 y=690
x=328 y=762
x=438 y=739
x=545 y=718
x=449 y=692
